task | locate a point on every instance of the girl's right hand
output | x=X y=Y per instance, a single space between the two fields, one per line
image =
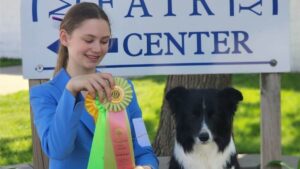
x=96 y=83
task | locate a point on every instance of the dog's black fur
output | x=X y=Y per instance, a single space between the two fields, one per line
x=194 y=109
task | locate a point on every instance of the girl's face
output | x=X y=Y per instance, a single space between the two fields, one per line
x=87 y=44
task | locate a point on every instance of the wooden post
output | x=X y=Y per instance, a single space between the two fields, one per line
x=270 y=118
x=40 y=160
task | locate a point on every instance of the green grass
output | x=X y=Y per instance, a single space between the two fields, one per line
x=5 y=62
x=247 y=121
x=15 y=131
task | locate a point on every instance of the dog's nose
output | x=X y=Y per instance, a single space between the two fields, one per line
x=204 y=137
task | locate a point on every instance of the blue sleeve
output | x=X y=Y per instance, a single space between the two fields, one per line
x=55 y=120
x=144 y=154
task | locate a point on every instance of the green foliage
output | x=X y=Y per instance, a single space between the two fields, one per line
x=150 y=99
x=278 y=163
x=5 y=62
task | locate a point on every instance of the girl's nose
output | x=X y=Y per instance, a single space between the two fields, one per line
x=97 y=47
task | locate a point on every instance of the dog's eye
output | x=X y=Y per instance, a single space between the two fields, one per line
x=210 y=113
x=196 y=113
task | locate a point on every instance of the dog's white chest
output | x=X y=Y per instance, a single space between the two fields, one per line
x=204 y=156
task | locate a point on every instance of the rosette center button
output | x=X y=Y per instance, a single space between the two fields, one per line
x=117 y=94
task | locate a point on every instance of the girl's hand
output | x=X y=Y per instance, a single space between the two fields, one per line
x=96 y=83
x=142 y=167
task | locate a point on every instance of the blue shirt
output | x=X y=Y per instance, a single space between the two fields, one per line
x=66 y=129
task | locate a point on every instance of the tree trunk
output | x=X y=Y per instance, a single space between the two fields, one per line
x=164 y=140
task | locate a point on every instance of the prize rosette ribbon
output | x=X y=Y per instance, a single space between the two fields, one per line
x=112 y=146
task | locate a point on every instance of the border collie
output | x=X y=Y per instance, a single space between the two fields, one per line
x=204 y=119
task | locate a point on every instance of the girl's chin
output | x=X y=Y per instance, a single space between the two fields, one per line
x=91 y=65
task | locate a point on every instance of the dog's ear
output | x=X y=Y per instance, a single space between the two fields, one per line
x=230 y=97
x=176 y=97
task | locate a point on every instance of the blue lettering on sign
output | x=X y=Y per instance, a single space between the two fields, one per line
x=251 y=7
x=199 y=50
x=142 y=5
x=125 y=44
x=145 y=13
x=275 y=7
x=242 y=42
x=153 y=41
x=231 y=7
x=56 y=11
x=178 y=46
x=153 y=46
x=150 y=43
x=101 y=2
x=206 y=7
x=170 y=7
x=218 y=42
x=34 y=11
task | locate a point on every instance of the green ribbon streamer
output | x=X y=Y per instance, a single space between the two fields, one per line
x=96 y=160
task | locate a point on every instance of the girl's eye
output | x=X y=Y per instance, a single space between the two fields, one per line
x=88 y=40
x=105 y=41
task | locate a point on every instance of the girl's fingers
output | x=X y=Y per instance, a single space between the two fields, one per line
x=90 y=89
x=98 y=88
x=109 y=78
x=102 y=83
x=106 y=88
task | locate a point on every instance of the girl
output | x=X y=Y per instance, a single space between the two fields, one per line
x=64 y=126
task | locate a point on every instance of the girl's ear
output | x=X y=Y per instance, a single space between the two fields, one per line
x=63 y=37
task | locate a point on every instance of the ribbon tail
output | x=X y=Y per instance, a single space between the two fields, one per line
x=121 y=139
x=96 y=160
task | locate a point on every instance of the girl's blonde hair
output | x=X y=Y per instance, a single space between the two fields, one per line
x=72 y=20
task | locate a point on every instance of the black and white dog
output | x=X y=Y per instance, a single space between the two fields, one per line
x=204 y=119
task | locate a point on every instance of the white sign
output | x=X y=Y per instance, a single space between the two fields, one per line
x=170 y=36
x=295 y=35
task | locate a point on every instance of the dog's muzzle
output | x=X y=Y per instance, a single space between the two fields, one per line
x=203 y=137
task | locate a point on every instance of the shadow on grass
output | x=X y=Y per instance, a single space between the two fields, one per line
x=247 y=128
x=290 y=81
x=292 y=146
x=246 y=80
x=9 y=156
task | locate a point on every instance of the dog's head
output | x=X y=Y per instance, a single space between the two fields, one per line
x=203 y=115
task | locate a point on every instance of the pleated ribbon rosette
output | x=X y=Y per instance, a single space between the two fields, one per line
x=112 y=146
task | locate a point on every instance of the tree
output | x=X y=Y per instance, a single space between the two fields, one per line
x=164 y=140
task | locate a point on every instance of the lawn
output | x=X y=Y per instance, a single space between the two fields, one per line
x=15 y=132
x=5 y=62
